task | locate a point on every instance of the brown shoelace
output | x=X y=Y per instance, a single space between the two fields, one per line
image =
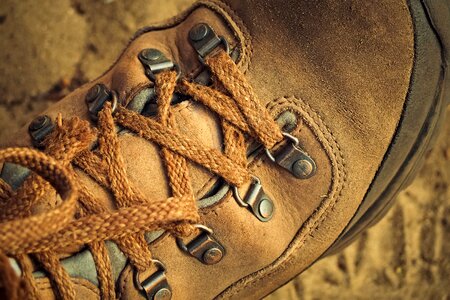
x=78 y=220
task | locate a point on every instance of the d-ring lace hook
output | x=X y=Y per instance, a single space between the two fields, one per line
x=155 y=61
x=256 y=200
x=293 y=158
x=96 y=98
x=204 y=246
x=156 y=285
x=205 y=40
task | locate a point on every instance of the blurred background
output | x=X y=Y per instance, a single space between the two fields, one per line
x=49 y=48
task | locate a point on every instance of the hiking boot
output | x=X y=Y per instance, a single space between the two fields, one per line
x=225 y=151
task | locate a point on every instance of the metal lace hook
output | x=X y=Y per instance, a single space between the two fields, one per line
x=156 y=285
x=226 y=45
x=157 y=263
x=238 y=198
x=96 y=98
x=154 y=61
x=293 y=158
x=256 y=200
x=203 y=228
x=151 y=75
x=204 y=247
x=289 y=137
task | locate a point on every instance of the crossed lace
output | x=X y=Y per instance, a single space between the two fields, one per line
x=79 y=220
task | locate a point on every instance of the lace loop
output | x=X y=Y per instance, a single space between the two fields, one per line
x=12 y=238
x=47 y=234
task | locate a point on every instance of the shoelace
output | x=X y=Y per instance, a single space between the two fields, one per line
x=80 y=220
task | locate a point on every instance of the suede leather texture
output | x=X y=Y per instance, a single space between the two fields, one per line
x=353 y=62
x=342 y=67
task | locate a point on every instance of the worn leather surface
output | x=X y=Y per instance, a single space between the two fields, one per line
x=343 y=67
x=353 y=63
x=425 y=104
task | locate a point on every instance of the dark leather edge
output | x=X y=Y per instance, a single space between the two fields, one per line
x=422 y=115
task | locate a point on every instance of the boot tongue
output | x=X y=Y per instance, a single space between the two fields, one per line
x=145 y=166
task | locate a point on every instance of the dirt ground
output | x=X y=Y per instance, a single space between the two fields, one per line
x=50 y=47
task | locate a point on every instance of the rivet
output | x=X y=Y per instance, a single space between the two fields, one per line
x=302 y=168
x=93 y=93
x=150 y=54
x=39 y=123
x=212 y=256
x=163 y=294
x=198 y=32
x=265 y=208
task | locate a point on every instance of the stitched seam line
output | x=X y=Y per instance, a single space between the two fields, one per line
x=312 y=224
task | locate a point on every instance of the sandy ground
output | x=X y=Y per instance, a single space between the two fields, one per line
x=50 y=47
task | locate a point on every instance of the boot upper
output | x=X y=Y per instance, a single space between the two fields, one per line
x=335 y=76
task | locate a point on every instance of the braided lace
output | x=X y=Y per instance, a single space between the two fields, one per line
x=81 y=221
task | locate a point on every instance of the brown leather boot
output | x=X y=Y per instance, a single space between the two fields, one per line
x=228 y=149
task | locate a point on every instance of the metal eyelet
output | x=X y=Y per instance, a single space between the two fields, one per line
x=204 y=247
x=156 y=285
x=238 y=198
x=39 y=129
x=204 y=40
x=154 y=61
x=114 y=100
x=203 y=228
x=178 y=70
x=96 y=98
x=226 y=45
x=288 y=136
x=256 y=200
x=152 y=75
x=293 y=158
x=137 y=281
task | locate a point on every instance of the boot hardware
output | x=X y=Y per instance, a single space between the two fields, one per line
x=97 y=97
x=256 y=200
x=294 y=159
x=156 y=286
x=155 y=61
x=205 y=40
x=39 y=128
x=204 y=247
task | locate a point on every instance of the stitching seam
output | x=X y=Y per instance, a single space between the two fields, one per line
x=313 y=223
